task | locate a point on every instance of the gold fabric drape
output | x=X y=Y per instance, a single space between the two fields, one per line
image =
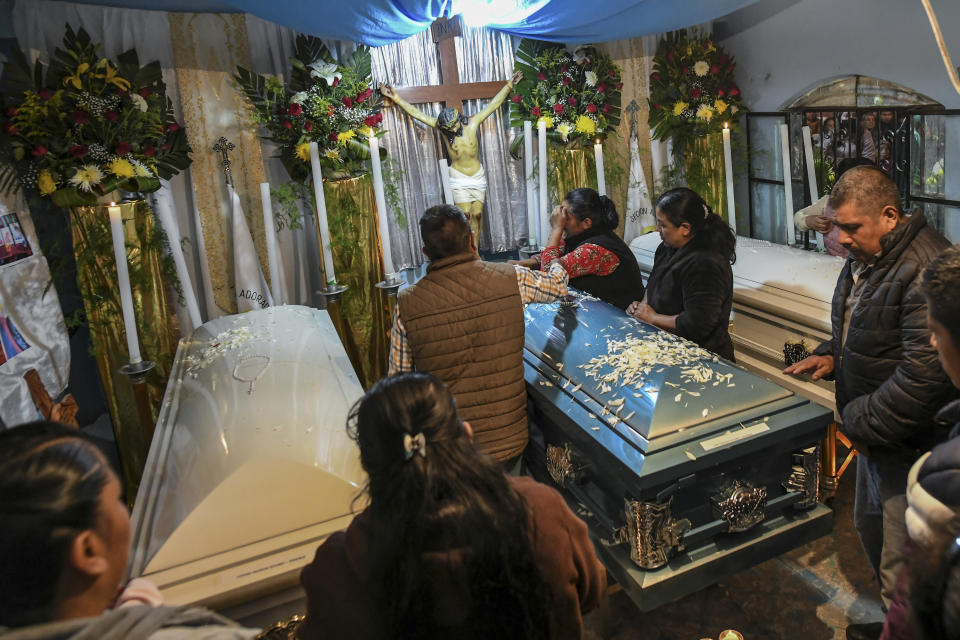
x=571 y=169
x=207 y=47
x=157 y=327
x=352 y=218
x=703 y=162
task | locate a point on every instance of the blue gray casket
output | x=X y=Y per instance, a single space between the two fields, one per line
x=685 y=473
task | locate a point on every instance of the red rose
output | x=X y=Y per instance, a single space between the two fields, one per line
x=558 y=108
x=295 y=109
x=347 y=101
x=80 y=117
x=572 y=101
x=724 y=59
x=619 y=86
x=282 y=111
x=150 y=151
x=122 y=148
x=308 y=126
x=611 y=73
x=606 y=108
x=77 y=151
x=685 y=70
x=542 y=77
x=10 y=112
x=517 y=99
x=333 y=137
x=45 y=94
x=111 y=115
x=40 y=151
x=601 y=88
x=657 y=106
x=336 y=81
x=734 y=91
x=287 y=124
x=360 y=97
x=721 y=93
x=591 y=108
x=714 y=69
x=566 y=81
x=696 y=93
x=379 y=117
x=655 y=76
x=173 y=127
x=671 y=56
x=535 y=112
x=144 y=93
x=165 y=146
x=370 y=121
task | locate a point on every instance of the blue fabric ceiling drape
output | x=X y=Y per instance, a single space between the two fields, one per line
x=380 y=22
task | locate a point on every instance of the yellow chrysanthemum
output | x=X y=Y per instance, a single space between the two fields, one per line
x=366 y=131
x=720 y=106
x=679 y=108
x=547 y=121
x=121 y=168
x=705 y=113
x=86 y=177
x=142 y=170
x=701 y=68
x=586 y=125
x=46 y=183
x=303 y=151
x=343 y=136
x=332 y=154
x=564 y=130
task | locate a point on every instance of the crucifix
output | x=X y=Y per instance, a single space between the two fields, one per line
x=468 y=180
x=224 y=147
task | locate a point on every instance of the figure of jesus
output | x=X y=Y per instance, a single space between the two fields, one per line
x=468 y=181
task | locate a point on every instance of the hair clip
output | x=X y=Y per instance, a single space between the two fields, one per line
x=414 y=444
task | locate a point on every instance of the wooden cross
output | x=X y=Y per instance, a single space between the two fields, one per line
x=451 y=92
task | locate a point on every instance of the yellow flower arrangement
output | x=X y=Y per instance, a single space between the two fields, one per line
x=679 y=108
x=720 y=105
x=547 y=121
x=705 y=113
x=586 y=125
x=343 y=136
x=121 y=168
x=303 y=151
x=45 y=183
x=332 y=154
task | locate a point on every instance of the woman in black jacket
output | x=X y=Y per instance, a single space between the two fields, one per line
x=690 y=288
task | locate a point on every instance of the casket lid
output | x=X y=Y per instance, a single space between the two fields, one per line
x=250 y=453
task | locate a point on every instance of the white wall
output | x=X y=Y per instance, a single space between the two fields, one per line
x=785 y=46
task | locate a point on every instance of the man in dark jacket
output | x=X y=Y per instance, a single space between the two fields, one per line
x=888 y=381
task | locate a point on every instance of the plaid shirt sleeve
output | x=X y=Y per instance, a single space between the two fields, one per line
x=401 y=359
x=542 y=286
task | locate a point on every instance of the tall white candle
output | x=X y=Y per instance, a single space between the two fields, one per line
x=601 y=178
x=787 y=183
x=270 y=237
x=381 y=207
x=728 y=173
x=811 y=175
x=123 y=283
x=445 y=180
x=529 y=181
x=325 y=248
x=544 y=213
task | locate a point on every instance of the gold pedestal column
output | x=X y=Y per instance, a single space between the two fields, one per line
x=704 y=171
x=352 y=218
x=157 y=326
x=571 y=169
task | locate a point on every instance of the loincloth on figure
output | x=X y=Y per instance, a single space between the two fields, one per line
x=468 y=188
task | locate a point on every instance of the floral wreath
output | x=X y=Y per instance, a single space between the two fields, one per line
x=692 y=88
x=331 y=104
x=84 y=126
x=576 y=92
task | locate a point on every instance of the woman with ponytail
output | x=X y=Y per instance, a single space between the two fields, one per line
x=690 y=289
x=584 y=238
x=449 y=546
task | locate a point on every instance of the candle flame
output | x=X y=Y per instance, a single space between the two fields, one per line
x=112 y=204
x=598 y=140
x=726 y=125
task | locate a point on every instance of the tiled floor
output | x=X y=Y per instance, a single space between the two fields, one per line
x=812 y=592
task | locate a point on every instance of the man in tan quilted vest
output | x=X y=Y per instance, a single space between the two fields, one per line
x=463 y=322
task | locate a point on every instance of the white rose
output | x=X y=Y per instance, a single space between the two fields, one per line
x=138 y=101
x=591 y=78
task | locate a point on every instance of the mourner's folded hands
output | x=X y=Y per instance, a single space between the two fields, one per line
x=817 y=366
x=641 y=311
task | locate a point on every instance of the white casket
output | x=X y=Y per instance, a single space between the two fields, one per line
x=780 y=294
x=250 y=467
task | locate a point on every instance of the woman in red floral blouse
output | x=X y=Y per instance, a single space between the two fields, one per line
x=597 y=259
